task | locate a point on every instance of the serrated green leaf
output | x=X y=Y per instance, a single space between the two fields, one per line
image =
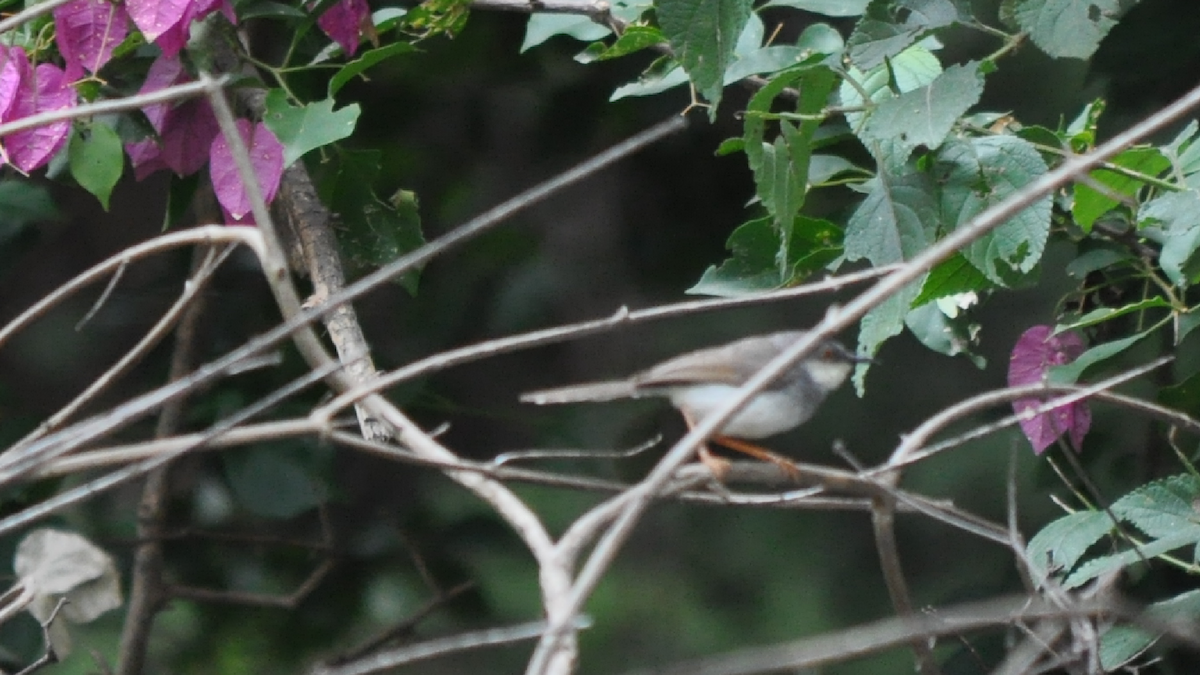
x=308 y=127
x=368 y=58
x=703 y=34
x=97 y=159
x=751 y=268
x=1107 y=313
x=953 y=276
x=1069 y=373
x=1184 y=153
x=976 y=174
x=781 y=167
x=1163 y=508
x=1173 y=220
x=826 y=7
x=1060 y=545
x=1066 y=28
x=1110 y=563
x=1090 y=204
x=911 y=69
x=890 y=26
x=757 y=247
x=923 y=116
x=896 y=221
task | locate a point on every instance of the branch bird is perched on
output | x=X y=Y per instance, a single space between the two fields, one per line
x=700 y=382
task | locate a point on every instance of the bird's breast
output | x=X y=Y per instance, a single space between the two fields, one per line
x=767 y=414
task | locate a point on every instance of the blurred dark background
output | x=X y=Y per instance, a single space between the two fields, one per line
x=466 y=124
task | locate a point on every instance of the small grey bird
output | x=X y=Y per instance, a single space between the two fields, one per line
x=699 y=382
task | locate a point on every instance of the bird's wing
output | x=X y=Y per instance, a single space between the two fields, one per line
x=579 y=393
x=709 y=366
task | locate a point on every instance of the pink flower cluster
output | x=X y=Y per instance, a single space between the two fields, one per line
x=189 y=138
x=87 y=32
x=26 y=90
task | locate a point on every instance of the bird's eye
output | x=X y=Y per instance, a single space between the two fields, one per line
x=827 y=354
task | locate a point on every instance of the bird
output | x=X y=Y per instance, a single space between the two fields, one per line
x=699 y=382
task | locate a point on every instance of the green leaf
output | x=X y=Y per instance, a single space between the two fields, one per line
x=1106 y=313
x=890 y=26
x=97 y=159
x=306 y=128
x=813 y=244
x=1090 y=204
x=369 y=58
x=955 y=275
x=1163 y=508
x=437 y=17
x=977 y=174
x=1065 y=28
x=1060 y=545
x=766 y=60
x=1184 y=153
x=1173 y=220
x=757 y=248
x=660 y=76
x=942 y=334
x=1188 y=321
x=374 y=232
x=896 y=221
x=781 y=167
x=821 y=168
x=923 y=116
x=1110 y=563
x=751 y=268
x=634 y=39
x=703 y=34
x=826 y=7
x=1097 y=259
x=911 y=69
x=1121 y=644
x=1184 y=396
x=542 y=27
x=1069 y=373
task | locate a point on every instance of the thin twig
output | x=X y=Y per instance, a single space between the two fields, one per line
x=622 y=317
x=491 y=637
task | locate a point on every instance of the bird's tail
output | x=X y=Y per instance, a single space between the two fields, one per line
x=580 y=393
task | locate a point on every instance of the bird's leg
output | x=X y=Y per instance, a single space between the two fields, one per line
x=719 y=466
x=786 y=465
